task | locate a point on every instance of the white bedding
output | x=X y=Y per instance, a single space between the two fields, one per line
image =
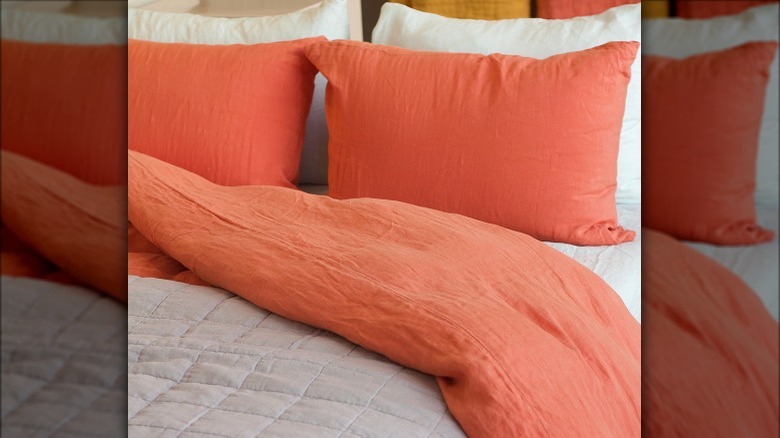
x=755 y=264
x=205 y=362
x=63 y=361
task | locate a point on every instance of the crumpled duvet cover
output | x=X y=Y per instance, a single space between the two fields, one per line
x=711 y=354
x=523 y=341
x=61 y=228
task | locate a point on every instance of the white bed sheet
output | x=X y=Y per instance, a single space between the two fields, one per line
x=757 y=265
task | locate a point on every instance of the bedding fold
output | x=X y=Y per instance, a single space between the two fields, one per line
x=523 y=341
x=711 y=360
x=62 y=220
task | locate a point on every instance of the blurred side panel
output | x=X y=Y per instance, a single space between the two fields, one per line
x=710 y=255
x=63 y=182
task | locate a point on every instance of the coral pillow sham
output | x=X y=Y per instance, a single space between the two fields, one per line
x=527 y=144
x=405 y=27
x=710 y=8
x=233 y=114
x=59 y=107
x=703 y=115
x=558 y=9
x=329 y=19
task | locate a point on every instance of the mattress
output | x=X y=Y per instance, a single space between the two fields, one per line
x=755 y=264
x=205 y=362
x=619 y=265
x=63 y=361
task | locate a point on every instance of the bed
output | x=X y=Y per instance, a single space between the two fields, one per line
x=63 y=344
x=205 y=362
x=261 y=311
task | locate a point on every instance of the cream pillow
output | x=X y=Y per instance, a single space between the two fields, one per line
x=537 y=38
x=329 y=19
x=57 y=27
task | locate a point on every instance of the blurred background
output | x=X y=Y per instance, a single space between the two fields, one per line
x=64 y=313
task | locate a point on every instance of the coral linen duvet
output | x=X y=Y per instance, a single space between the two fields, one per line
x=521 y=339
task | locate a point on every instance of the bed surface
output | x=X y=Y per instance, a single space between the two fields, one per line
x=63 y=360
x=755 y=264
x=205 y=362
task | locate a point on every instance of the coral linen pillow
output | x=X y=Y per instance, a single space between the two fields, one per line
x=702 y=116
x=329 y=19
x=527 y=144
x=234 y=114
x=405 y=27
x=60 y=107
x=710 y=8
x=576 y=8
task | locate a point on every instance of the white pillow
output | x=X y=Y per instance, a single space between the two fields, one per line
x=61 y=28
x=328 y=19
x=537 y=38
x=679 y=38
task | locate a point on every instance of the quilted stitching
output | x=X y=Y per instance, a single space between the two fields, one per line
x=63 y=361
x=204 y=362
